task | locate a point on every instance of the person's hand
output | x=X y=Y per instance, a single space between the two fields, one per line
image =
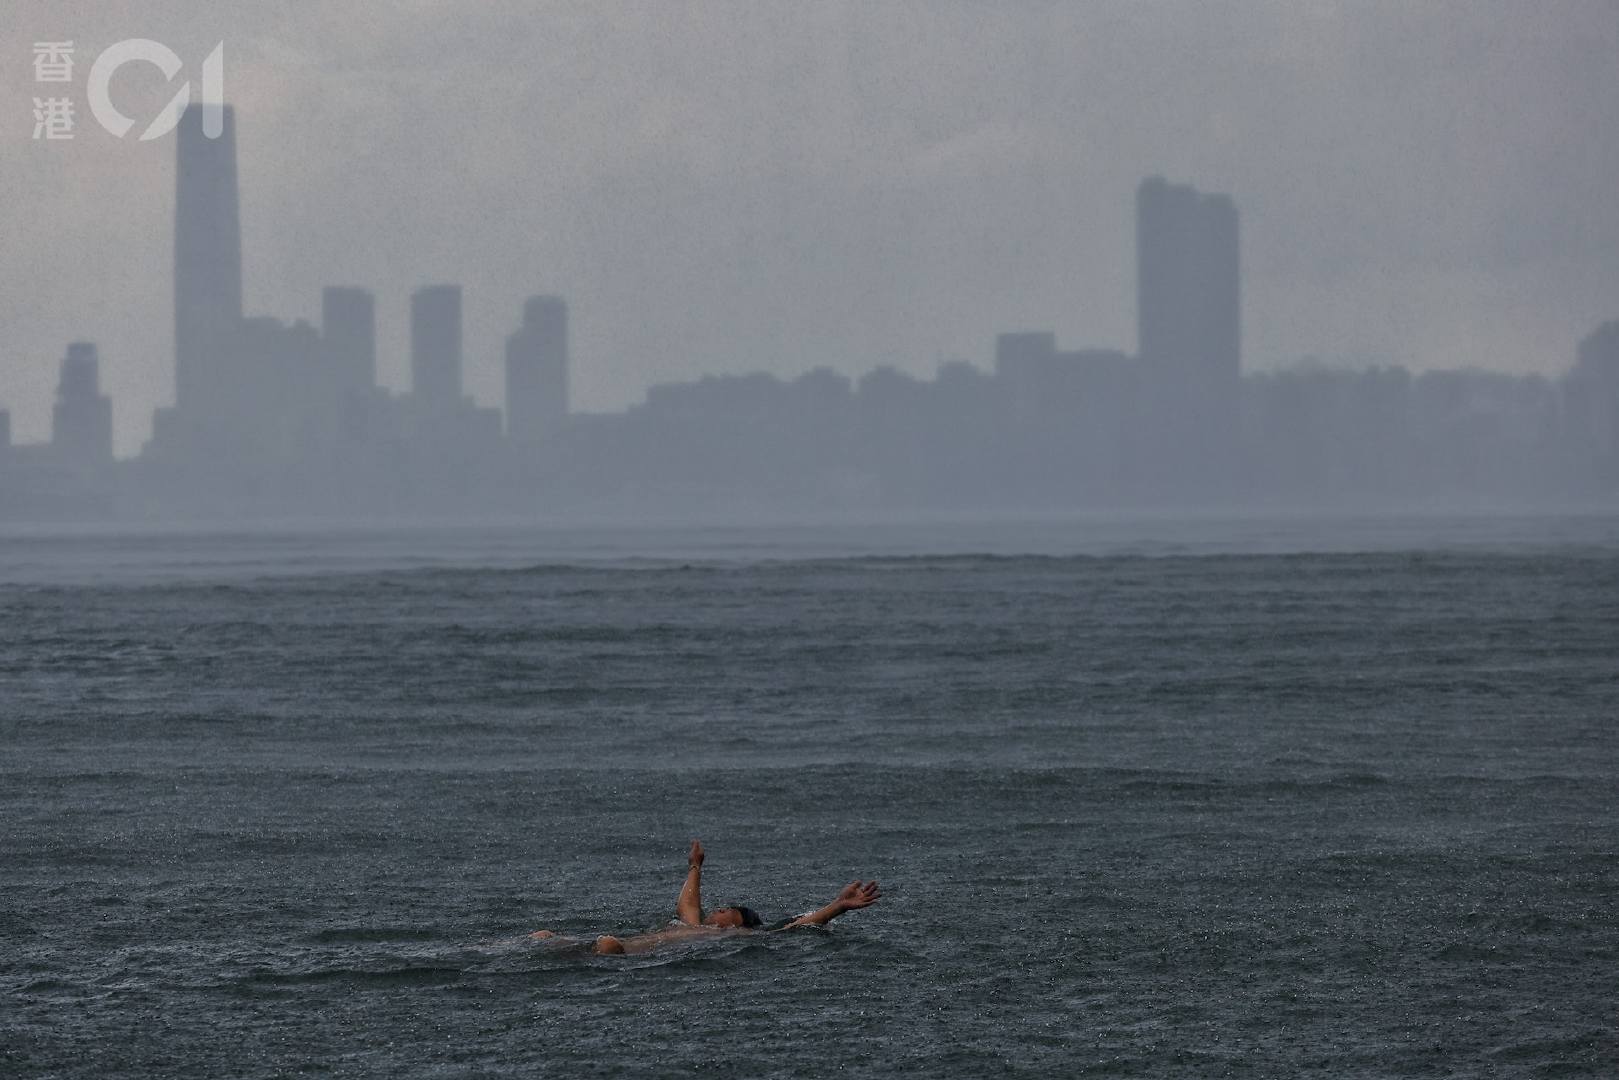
x=695 y=857
x=859 y=894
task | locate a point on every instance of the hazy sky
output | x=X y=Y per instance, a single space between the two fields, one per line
x=746 y=185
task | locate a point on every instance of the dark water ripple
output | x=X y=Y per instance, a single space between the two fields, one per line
x=1239 y=815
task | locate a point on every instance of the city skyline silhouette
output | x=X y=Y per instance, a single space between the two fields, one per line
x=273 y=417
x=781 y=187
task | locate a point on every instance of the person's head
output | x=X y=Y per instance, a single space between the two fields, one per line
x=736 y=916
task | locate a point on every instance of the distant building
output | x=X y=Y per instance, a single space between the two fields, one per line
x=209 y=398
x=348 y=329
x=1189 y=312
x=207 y=264
x=1064 y=417
x=537 y=371
x=81 y=423
x=1591 y=405
x=435 y=346
x=283 y=375
x=1189 y=302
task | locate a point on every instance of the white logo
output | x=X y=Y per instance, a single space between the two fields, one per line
x=166 y=61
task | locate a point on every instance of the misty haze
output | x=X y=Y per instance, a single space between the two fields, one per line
x=881 y=539
x=1094 y=338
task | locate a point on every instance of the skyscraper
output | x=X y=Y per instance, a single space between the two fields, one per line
x=81 y=422
x=348 y=327
x=537 y=371
x=207 y=263
x=1189 y=286
x=435 y=345
x=1591 y=404
x=1189 y=311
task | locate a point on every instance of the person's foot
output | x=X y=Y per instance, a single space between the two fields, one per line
x=541 y=935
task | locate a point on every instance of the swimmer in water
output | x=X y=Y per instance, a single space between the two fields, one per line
x=690 y=922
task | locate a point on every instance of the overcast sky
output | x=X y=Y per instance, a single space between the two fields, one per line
x=750 y=185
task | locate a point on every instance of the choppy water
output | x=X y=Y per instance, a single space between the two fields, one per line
x=285 y=807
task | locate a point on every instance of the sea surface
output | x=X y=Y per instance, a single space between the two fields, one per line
x=1146 y=798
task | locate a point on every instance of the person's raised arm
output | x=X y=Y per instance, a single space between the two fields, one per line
x=855 y=895
x=689 y=908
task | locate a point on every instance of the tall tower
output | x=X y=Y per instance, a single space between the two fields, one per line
x=537 y=371
x=207 y=262
x=81 y=423
x=435 y=345
x=1189 y=281
x=1189 y=311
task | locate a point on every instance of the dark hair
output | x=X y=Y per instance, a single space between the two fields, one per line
x=750 y=918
